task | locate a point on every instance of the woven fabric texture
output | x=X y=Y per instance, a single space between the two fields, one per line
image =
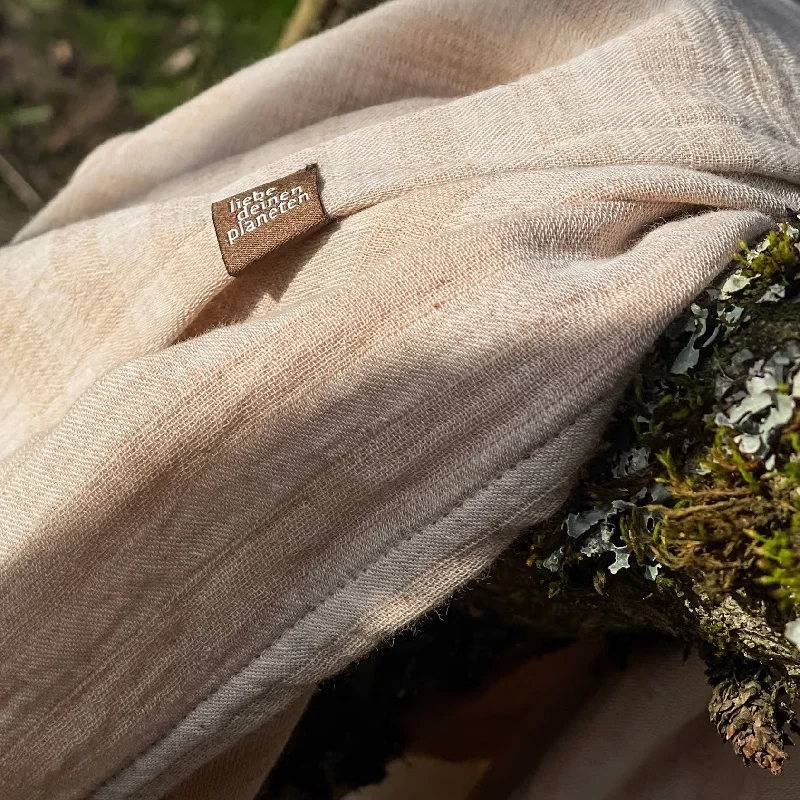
x=217 y=491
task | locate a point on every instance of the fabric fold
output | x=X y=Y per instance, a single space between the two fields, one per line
x=218 y=491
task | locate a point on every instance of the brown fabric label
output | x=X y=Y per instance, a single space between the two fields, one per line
x=254 y=223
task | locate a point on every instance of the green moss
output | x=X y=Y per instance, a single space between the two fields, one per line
x=773 y=262
x=716 y=634
x=728 y=520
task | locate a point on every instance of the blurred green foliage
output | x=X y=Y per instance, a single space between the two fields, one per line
x=162 y=52
x=75 y=72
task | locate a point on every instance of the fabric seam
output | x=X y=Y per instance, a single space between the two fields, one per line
x=466 y=546
x=350 y=579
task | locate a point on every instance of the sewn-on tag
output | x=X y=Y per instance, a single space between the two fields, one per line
x=254 y=223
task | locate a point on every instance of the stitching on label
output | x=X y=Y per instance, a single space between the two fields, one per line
x=253 y=223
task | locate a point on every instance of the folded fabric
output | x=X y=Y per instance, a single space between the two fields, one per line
x=646 y=736
x=574 y=726
x=217 y=491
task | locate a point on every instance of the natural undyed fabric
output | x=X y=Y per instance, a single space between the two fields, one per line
x=646 y=736
x=239 y=772
x=218 y=491
x=643 y=733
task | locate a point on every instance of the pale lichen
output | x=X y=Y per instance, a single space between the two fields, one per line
x=698 y=487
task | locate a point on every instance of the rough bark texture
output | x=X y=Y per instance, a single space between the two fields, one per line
x=753 y=712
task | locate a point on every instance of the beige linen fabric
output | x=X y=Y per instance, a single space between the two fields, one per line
x=640 y=733
x=646 y=736
x=238 y=773
x=216 y=492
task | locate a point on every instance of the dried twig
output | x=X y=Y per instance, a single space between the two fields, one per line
x=26 y=194
x=313 y=16
x=308 y=18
